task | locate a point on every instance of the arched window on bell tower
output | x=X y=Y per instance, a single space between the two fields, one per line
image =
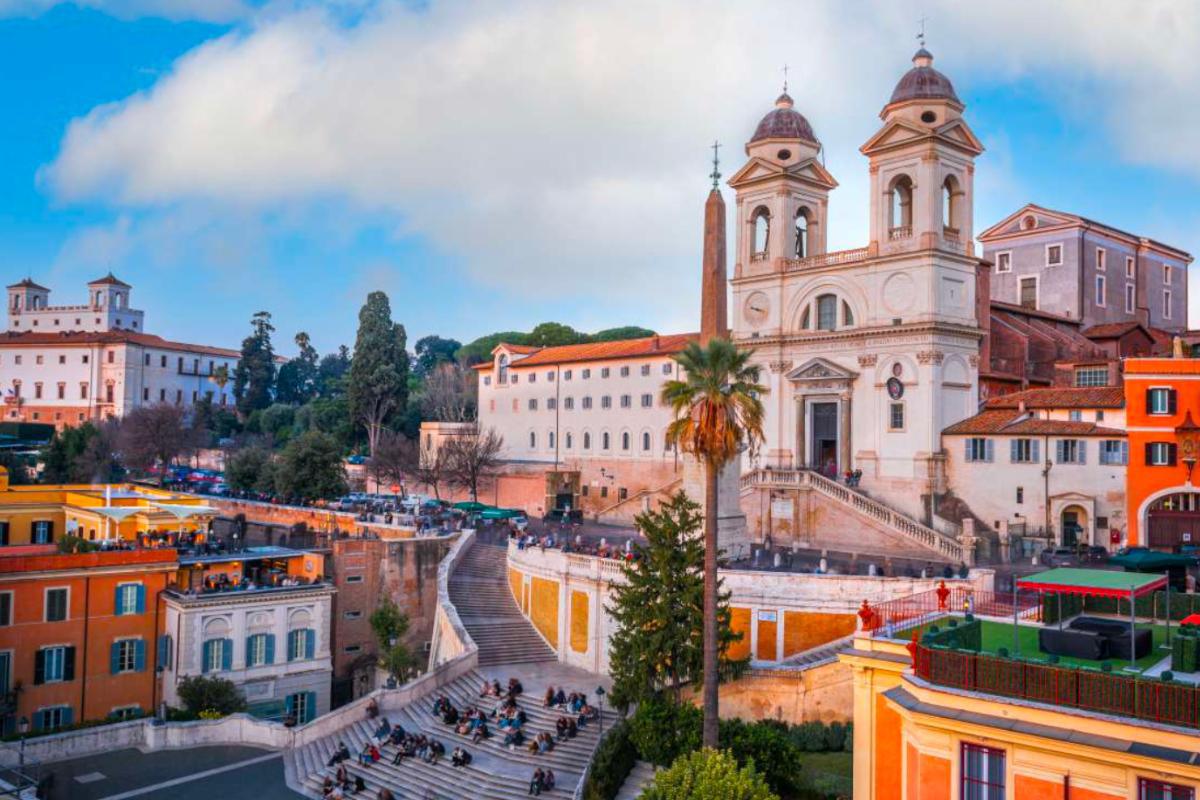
x=502 y=377
x=762 y=231
x=900 y=208
x=952 y=200
x=803 y=220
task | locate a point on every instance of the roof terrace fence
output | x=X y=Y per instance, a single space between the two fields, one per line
x=1087 y=689
x=903 y=613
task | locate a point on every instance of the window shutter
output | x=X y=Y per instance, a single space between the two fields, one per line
x=1149 y=453
x=988 y=450
x=1149 y=401
x=1171 y=454
x=1034 y=450
x=117 y=600
x=1125 y=452
x=206 y=656
x=310 y=643
x=967 y=449
x=1012 y=450
x=39 y=667
x=141 y=599
x=114 y=658
x=1083 y=451
x=1170 y=401
x=160 y=656
x=69 y=664
x=270 y=648
x=39 y=720
x=50 y=531
x=291 y=645
x=227 y=655
x=68 y=716
x=1060 y=447
x=249 y=649
x=289 y=704
x=310 y=706
x=139 y=655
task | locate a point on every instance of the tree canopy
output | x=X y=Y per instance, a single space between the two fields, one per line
x=297 y=380
x=310 y=467
x=431 y=351
x=254 y=378
x=377 y=384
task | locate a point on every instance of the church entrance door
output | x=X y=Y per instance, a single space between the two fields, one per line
x=823 y=447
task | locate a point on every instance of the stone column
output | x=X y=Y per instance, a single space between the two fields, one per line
x=844 y=432
x=801 y=444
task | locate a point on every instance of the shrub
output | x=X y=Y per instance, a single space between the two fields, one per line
x=708 y=775
x=614 y=760
x=849 y=737
x=202 y=694
x=810 y=736
x=768 y=744
x=662 y=730
x=835 y=737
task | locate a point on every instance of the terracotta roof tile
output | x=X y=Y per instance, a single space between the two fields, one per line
x=602 y=351
x=1063 y=397
x=1111 y=330
x=1013 y=423
x=26 y=339
x=989 y=421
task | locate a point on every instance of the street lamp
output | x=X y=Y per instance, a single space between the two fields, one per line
x=600 y=695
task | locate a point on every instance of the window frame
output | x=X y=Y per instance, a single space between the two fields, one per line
x=983 y=786
x=1101 y=292
x=1037 y=291
x=1168 y=295
x=1061 y=254
x=893 y=406
x=1130 y=298
x=1101 y=259
x=1152 y=407
x=1003 y=256
x=46 y=603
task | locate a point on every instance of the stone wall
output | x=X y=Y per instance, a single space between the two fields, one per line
x=823 y=693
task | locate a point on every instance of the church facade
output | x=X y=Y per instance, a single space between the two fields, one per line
x=868 y=353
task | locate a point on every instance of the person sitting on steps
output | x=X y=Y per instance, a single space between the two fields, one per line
x=341 y=754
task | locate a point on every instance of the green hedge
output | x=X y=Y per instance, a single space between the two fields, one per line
x=1185 y=650
x=612 y=763
x=1154 y=604
x=966 y=635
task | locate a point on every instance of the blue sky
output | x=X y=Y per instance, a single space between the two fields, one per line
x=492 y=166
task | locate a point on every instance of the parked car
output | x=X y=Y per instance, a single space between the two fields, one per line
x=1095 y=554
x=1059 y=557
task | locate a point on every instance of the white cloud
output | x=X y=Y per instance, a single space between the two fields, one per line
x=559 y=147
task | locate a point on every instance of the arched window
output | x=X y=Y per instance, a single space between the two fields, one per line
x=587 y=441
x=802 y=223
x=847 y=315
x=550 y=438
x=762 y=230
x=806 y=318
x=532 y=440
x=646 y=441
x=951 y=205
x=604 y=442
x=503 y=369
x=900 y=210
x=827 y=312
x=625 y=440
x=570 y=442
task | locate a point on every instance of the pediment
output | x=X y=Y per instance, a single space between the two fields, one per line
x=957 y=131
x=900 y=131
x=755 y=169
x=821 y=369
x=895 y=132
x=812 y=171
x=809 y=171
x=1043 y=218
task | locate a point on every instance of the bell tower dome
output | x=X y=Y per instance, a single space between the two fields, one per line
x=922 y=164
x=782 y=193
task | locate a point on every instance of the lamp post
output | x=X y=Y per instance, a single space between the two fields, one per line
x=600 y=699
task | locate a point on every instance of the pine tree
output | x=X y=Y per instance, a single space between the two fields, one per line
x=659 y=611
x=254 y=379
x=377 y=384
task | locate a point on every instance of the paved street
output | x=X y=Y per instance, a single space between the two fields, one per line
x=200 y=773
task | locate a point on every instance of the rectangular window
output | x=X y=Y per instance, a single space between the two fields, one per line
x=626 y=401
x=1101 y=259
x=214 y=655
x=1160 y=790
x=487 y=380
x=1024 y=451
x=568 y=403
x=551 y=403
x=606 y=402
x=162 y=361
x=258 y=650
x=1114 y=452
x=300 y=644
x=51 y=719
x=83 y=391
x=1075 y=415
x=896 y=416
x=647 y=400
x=1160 y=454
x=1004 y=261
x=129 y=599
x=1160 y=401
x=1166 y=304
x=352 y=614
x=533 y=404
x=666 y=368
x=1101 y=291
x=37 y=390
x=1129 y=271
x=1054 y=255
x=39 y=360
x=604 y=372
x=56 y=604
x=979 y=449
x=566 y=374
x=645 y=369
x=983 y=773
x=354 y=579
x=532 y=377
x=125 y=656
x=1091 y=376
x=1130 y=298
x=6 y=606
x=1029 y=292
x=1071 y=451
x=1166 y=274
x=587 y=403
x=54 y=665
x=624 y=372
x=585 y=374
x=1099 y=415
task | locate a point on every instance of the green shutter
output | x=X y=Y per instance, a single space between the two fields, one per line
x=206 y=655
x=227 y=655
x=139 y=655
x=310 y=643
x=68 y=716
x=270 y=648
x=310 y=707
x=141 y=599
x=114 y=658
x=250 y=650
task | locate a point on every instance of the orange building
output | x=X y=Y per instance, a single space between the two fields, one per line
x=1162 y=407
x=79 y=634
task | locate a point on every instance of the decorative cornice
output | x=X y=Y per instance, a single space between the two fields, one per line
x=930 y=356
x=868 y=360
x=777 y=367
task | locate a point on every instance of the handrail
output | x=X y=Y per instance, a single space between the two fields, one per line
x=826 y=259
x=794 y=478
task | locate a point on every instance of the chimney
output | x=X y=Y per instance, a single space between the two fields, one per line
x=713 y=301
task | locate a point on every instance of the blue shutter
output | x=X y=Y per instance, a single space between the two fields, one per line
x=310 y=706
x=289 y=704
x=1060 y=446
x=249 y=650
x=1083 y=451
x=227 y=655
x=141 y=599
x=291 y=645
x=162 y=657
x=1036 y=453
x=1012 y=450
x=310 y=643
x=270 y=648
x=117 y=600
x=1124 y=451
x=114 y=658
x=139 y=655
x=967 y=449
x=68 y=716
x=206 y=655
x=989 y=450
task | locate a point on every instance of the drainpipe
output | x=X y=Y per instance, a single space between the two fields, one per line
x=1046 y=480
x=83 y=675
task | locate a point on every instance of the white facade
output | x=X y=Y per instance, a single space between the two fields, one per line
x=831 y=331
x=65 y=376
x=273 y=676
x=107 y=309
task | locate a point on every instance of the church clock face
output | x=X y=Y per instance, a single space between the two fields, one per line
x=756 y=309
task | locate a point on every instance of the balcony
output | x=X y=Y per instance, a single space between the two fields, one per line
x=833 y=259
x=900 y=233
x=192 y=597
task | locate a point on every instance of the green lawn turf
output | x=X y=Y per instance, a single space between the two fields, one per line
x=1000 y=634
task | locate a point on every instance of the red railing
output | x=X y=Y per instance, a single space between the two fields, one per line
x=894 y=616
x=1071 y=687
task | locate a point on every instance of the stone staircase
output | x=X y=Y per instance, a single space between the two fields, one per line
x=639 y=778
x=479 y=591
x=495 y=771
x=821 y=654
x=885 y=518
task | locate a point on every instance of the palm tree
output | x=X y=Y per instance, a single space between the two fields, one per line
x=717 y=414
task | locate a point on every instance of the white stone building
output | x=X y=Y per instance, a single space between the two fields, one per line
x=64 y=365
x=273 y=643
x=868 y=353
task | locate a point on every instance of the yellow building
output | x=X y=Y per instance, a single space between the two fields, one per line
x=981 y=725
x=125 y=512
